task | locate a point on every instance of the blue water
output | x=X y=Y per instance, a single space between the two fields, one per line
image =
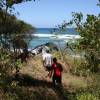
x=70 y=31
x=42 y=40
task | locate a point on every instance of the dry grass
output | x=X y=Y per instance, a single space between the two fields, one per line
x=35 y=68
x=34 y=85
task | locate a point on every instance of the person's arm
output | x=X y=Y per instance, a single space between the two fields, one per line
x=43 y=63
x=50 y=73
x=43 y=60
x=51 y=60
x=61 y=67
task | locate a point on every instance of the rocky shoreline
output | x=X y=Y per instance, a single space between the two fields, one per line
x=47 y=46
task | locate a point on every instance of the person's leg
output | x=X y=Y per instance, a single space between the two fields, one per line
x=58 y=80
x=53 y=80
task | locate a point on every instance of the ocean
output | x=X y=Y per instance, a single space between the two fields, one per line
x=45 y=35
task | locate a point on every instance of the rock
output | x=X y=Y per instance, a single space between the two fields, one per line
x=42 y=48
x=52 y=46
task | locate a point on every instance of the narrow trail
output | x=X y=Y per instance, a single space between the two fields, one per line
x=43 y=84
x=35 y=69
x=35 y=81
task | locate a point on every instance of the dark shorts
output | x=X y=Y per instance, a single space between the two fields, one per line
x=56 y=79
x=48 y=68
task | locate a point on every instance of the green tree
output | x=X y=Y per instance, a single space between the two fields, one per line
x=90 y=41
x=11 y=31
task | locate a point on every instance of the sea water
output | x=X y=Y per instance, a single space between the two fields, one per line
x=45 y=35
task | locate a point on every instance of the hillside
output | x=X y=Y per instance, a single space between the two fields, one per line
x=34 y=83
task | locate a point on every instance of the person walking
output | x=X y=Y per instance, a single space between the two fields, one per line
x=56 y=72
x=47 y=60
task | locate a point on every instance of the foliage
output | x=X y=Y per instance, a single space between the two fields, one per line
x=13 y=25
x=90 y=93
x=98 y=3
x=57 y=55
x=86 y=96
x=89 y=43
x=14 y=29
x=11 y=31
x=6 y=67
x=10 y=3
x=10 y=25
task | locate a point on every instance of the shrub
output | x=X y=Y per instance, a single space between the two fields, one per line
x=86 y=96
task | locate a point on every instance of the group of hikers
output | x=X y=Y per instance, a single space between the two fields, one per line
x=53 y=67
x=50 y=64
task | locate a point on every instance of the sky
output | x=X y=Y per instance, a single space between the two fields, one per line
x=49 y=13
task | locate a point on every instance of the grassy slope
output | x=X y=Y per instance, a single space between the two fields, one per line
x=40 y=87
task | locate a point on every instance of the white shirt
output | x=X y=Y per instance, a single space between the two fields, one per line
x=43 y=51
x=48 y=59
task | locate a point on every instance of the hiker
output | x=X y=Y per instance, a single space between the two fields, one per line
x=57 y=72
x=47 y=60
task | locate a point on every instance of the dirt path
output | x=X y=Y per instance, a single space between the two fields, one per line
x=37 y=83
x=35 y=69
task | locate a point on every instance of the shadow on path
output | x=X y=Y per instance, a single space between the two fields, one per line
x=27 y=81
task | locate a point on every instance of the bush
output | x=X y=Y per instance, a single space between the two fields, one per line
x=86 y=96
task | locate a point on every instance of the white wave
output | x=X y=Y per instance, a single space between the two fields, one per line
x=43 y=35
x=60 y=36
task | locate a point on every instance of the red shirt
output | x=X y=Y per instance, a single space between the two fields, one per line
x=57 y=67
